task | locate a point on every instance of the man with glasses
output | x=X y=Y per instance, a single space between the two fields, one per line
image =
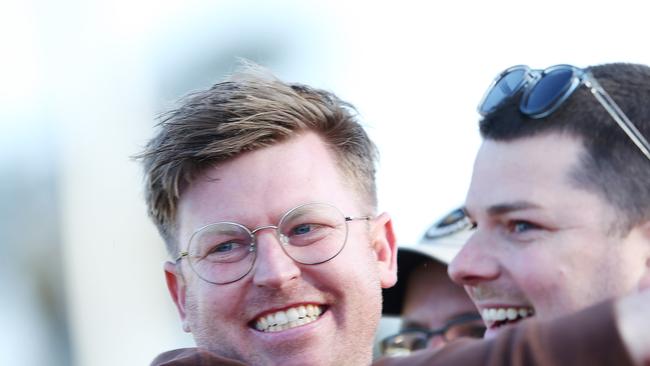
x=560 y=193
x=265 y=195
x=433 y=309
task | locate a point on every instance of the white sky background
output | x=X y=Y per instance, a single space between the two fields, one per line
x=87 y=77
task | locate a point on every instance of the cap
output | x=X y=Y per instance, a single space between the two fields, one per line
x=441 y=242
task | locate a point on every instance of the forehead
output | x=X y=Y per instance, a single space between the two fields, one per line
x=527 y=169
x=534 y=174
x=257 y=187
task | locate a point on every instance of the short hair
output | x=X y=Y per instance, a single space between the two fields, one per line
x=249 y=110
x=611 y=166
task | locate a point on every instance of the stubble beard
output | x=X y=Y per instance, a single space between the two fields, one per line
x=354 y=350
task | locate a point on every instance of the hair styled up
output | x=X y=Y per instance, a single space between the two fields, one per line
x=249 y=110
x=612 y=166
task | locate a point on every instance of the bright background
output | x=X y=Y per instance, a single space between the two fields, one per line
x=81 y=81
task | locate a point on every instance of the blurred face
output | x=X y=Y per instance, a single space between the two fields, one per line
x=543 y=246
x=341 y=298
x=433 y=301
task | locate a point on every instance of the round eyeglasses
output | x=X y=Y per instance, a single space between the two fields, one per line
x=412 y=339
x=224 y=252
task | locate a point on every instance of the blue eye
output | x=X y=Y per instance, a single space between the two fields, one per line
x=522 y=226
x=301 y=229
x=221 y=248
x=225 y=247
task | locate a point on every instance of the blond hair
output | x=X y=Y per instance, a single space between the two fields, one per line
x=248 y=111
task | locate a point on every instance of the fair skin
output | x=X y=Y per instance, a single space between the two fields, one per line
x=543 y=246
x=634 y=324
x=432 y=300
x=256 y=189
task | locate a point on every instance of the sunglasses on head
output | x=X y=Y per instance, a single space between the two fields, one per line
x=544 y=91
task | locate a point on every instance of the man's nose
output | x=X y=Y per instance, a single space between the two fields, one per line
x=476 y=262
x=273 y=267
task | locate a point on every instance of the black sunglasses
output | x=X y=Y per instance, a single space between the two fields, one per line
x=544 y=91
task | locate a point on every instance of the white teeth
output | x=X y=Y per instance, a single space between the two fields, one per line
x=281 y=318
x=292 y=317
x=511 y=314
x=302 y=312
x=501 y=314
x=311 y=310
x=492 y=314
x=263 y=323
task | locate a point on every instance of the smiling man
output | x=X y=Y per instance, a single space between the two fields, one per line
x=265 y=195
x=559 y=194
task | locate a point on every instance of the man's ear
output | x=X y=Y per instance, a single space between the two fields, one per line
x=177 y=290
x=644 y=282
x=385 y=247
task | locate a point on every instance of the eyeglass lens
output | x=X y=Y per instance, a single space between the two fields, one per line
x=548 y=90
x=221 y=252
x=474 y=329
x=504 y=88
x=315 y=233
x=404 y=343
x=413 y=339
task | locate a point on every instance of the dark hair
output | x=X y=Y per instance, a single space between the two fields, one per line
x=248 y=111
x=612 y=165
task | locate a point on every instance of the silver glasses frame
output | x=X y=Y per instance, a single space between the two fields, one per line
x=579 y=77
x=428 y=334
x=281 y=238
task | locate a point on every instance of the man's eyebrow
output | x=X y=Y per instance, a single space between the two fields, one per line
x=505 y=208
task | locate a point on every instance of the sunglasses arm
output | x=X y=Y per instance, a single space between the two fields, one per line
x=617 y=114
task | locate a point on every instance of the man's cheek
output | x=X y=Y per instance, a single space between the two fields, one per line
x=644 y=284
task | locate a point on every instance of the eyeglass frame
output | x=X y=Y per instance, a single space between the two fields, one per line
x=431 y=333
x=253 y=243
x=579 y=77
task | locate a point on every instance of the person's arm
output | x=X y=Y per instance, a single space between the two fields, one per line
x=589 y=337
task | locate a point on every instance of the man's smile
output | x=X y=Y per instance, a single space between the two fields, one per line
x=495 y=317
x=288 y=318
